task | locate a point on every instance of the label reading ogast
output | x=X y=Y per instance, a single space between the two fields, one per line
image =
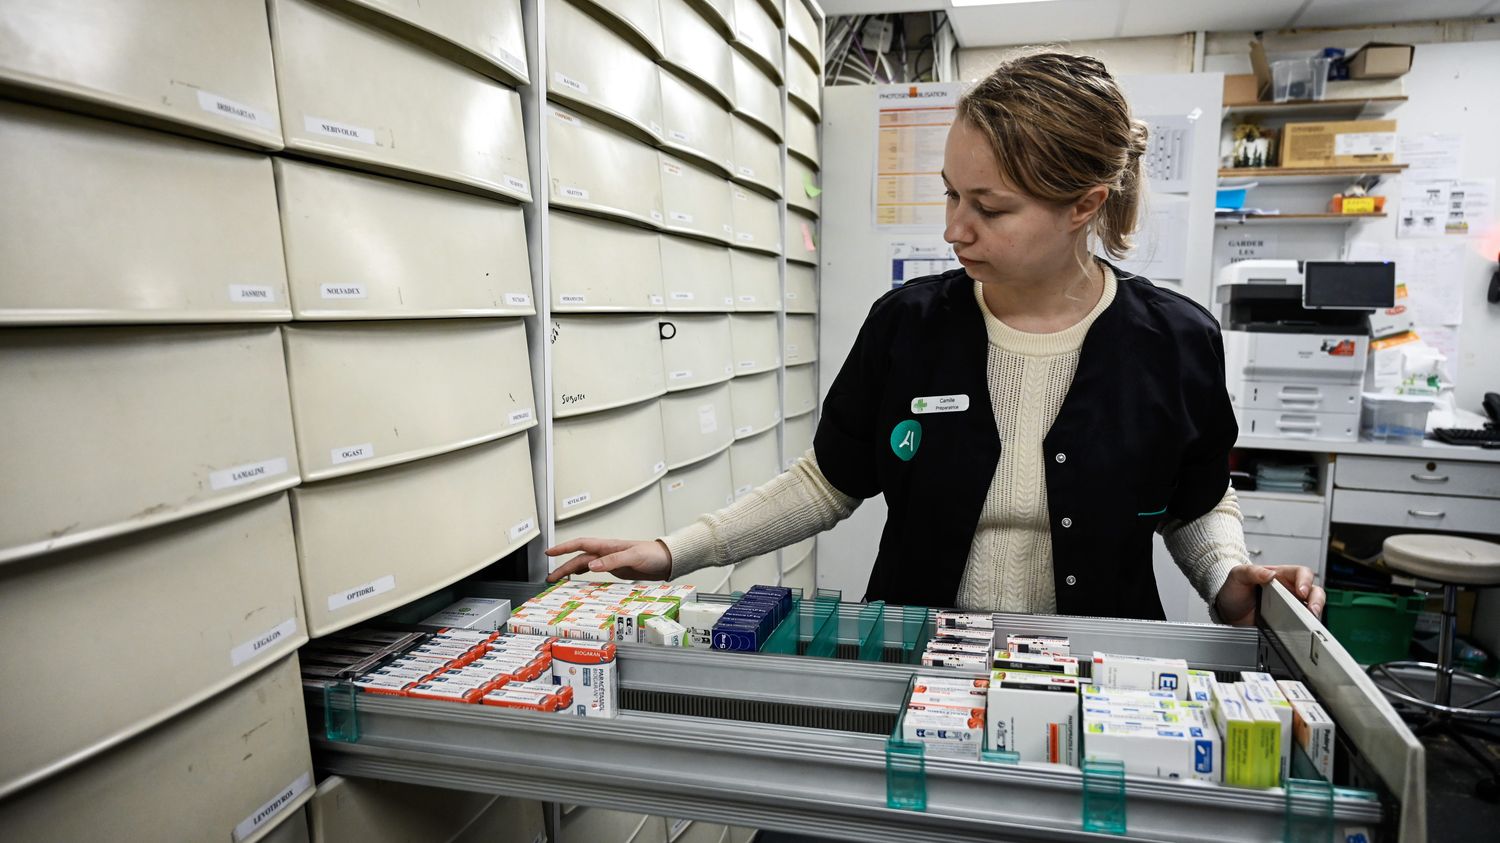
x=350 y=453
x=248 y=473
x=341 y=599
x=266 y=812
x=254 y=647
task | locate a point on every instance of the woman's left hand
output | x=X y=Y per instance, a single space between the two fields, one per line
x=1236 y=600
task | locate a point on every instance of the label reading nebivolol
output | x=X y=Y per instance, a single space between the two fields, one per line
x=342 y=131
x=350 y=453
x=339 y=600
x=254 y=647
x=343 y=291
x=248 y=473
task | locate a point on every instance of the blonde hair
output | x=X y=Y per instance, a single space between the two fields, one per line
x=1059 y=127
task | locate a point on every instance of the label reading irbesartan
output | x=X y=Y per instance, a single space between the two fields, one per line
x=360 y=592
x=215 y=104
x=266 y=812
x=342 y=131
x=248 y=473
x=343 y=291
x=254 y=647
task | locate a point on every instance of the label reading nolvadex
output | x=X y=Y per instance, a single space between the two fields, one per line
x=339 y=600
x=708 y=419
x=342 y=131
x=215 y=104
x=519 y=416
x=576 y=500
x=518 y=185
x=250 y=649
x=265 y=813
x=940 y=404
x=350 y=453
x=522 y=529
x=343 y=291
x=570 y=82
x=572 y=298
x=678 y=216
x=248 y=473
x=251 y=293
x=517 y=300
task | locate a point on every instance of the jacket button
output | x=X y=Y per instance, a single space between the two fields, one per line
x=1061 y=457
x=1071 y=580
x=1067 y=522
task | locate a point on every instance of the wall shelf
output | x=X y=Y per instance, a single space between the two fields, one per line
x=1227 y=221
x=1353 y=107
x=1308 y=175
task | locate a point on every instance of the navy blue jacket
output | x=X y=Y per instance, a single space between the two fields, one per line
x=1143 y=434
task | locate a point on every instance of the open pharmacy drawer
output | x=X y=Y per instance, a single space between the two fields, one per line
x=778 y=742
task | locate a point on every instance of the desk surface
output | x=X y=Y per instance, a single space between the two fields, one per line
x=1428 y=449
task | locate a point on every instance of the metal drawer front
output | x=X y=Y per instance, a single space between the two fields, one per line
x=756 y=345
x=802 y=136
x=1424 y=477
x=441 y=253
x=104 y=223
x=1327 y=427
x=802 y=30
x=801 y=339
x=1301 y=398
x=1422 y=512
x=1282 y=550
x=758 y=36
x=804 y=85
x=1271 y=514
x=801 y=289
x=696 y=202
x=801 y=185
x=346 y=810
x=599 y=171
x=638 y=517
x=603 y=457
x=182 y=649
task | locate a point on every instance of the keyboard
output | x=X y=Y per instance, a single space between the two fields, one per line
x=1488 y=437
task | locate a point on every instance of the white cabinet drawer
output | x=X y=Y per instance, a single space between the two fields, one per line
x=754 y=461
x=1423 y=512
x=757 y=223
x=603 y=362
x=757 y=97
x=804 y=85
x=350 y=810
x=638 y=517
x=757 y=282
x=690 y=45
x=801 y=289
x=799 y=178
x=1288 y=424
x=802 y=136
x=597 y=70
x=697 y=423
x=801 y=339
x=1284 y=550
x=757 y=570
x=1298 y=398
x=801 y=390
x=486 y=35
x=696 y=277
x=758 y=36
x=604 y=266
x=600 y=171
x=756 y=343
x=757 y=157
x=1424 y=477
x=600 y=458
x=695 y=125
x=1271 y=514
x=801 y=237
x=696 y=350
x=689 y=492
x=695 y=201
x=757 y=403
x=799 y=438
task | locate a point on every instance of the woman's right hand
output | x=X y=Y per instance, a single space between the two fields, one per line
x=627 y=560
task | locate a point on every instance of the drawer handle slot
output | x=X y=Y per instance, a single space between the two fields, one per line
x=1255 y=516
x=1430 y=478
x=1418 y=513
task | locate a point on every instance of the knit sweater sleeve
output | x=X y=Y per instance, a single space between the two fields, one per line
x=1208 y=547
x=795 y=504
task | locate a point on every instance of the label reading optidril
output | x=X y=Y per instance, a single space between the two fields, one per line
x=266 y=812
x=215 y=104
x=360 y=592
x=342 y=131
x=350 y=453
x=250 y=649
x=522 y=529
x=248 y=473
x=343 y=291
x=251 y=293
x=519 y=416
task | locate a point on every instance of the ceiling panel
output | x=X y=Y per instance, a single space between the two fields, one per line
x=1163 y=17
x=1346 y=12
x=1029 y=23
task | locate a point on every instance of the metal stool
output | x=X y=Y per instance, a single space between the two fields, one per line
x=1452 y=561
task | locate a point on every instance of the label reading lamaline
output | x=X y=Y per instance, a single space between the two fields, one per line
x=248 y=473
x=360 y=592
x=266 y=812
x=248 y=650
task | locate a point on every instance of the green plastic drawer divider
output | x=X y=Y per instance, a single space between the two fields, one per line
x=905 y=764
x=1104 y=795
x=1309 y=811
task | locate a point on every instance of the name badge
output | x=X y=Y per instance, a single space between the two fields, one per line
x=940 y=404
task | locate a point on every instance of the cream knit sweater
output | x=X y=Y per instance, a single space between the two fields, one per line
x=1010 y=560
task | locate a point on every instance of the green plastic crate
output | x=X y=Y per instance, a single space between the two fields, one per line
x=1372 y=626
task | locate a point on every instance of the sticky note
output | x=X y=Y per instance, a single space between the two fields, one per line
x=813 y=191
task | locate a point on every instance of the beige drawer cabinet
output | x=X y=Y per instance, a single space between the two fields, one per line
x=697 y=277
x=698 y=423
x=1443 y=513
x=757 y=346
x=603 y=457
x=757 y=570
x=753 y=461
x=697 y=350
x=486 y=35
x=695 y=125
x=603 y=362
x=801 y=390
x=693 y=490
x=1419 y=477
x=599 y=266
x=595 y=69
x=757 y=282
x=757 y=403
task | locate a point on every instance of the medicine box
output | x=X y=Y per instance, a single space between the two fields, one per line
x=589 y=669
x=953 y=734
x=1050 y=645
x=479 y=613
x=1252 y=743
x=1033 y=714
x=1141 y=673
x=1169 y=752
x=1007 y=660
x=1314 y=731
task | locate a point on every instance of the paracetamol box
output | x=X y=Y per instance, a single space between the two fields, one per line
x=1033 y=714
x=1036 y=663
x=1141 y=673
x=1261 y=688
x=1045 y=645
x=1200 y=685
x=944 y=733
x=1168 y=752
x=1252 y=744
x=589 y=669
x=1314 y=731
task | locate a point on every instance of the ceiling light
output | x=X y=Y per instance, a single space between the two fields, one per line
x=962 y=3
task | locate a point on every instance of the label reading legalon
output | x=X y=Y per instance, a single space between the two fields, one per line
x=248 y=473
x=577 y=500
x=215 y=104
x=360 y=592
x=519 y=416
x=250 y=649
x=251 y=293
x=343 y=291
x=678 y=216
x=570 y=82
x=517 y=299
x=350 y=453
x=708 y=419
x=522 y=529
x=572 y=298
x=266 y=812
x=342 y=131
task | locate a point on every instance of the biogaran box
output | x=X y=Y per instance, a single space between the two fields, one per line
x=588 y=667
x=1035 y=715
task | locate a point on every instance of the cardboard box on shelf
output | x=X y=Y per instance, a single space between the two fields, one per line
x=1241 y=89
x=1377 y=60
x=1348 y=143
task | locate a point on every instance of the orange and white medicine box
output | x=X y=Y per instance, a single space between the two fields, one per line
x=1314 y=731
x=948 y=684
x=589 y=669
x=530 y=698
x=948 y=733
x=1034 y=715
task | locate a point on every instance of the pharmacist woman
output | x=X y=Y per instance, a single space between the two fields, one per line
x=1032 y=418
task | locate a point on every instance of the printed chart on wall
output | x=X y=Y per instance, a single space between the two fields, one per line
x=911 y=128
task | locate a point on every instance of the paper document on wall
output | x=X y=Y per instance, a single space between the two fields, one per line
x=1424 y=208
x=911 y=130
x=1169 y=152
x=1471 y=207
x=1161 y=241
x=1433 y=157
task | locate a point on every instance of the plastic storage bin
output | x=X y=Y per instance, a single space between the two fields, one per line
x=1394 y=418
x=1373 y=627
x=1299 y=79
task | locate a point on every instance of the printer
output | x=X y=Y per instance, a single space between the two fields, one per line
x=1296 y=335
